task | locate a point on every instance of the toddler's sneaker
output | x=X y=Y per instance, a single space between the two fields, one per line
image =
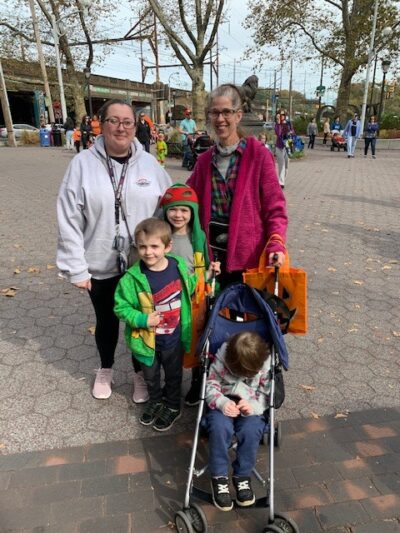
x=244 y=492
x=102 y=383
x=150 y=413
x=140 y=393
x=220 y=493
x=166 y=418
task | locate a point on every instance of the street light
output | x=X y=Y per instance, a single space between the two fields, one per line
x=58 y=31
x=173 y=97
x=87 y=72
x=169 y=89
x=385 y=69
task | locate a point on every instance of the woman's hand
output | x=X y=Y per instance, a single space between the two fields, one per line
x=245 y=408
x=154 y=319
x=231 y=409
x=213 y=269
x=87 y=284
x=276 y=259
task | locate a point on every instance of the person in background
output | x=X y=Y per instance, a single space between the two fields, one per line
x=96 y=126
x=76 y=137
x=161 y=149
x=283 y=131
x=143 y=132
x=262 y=137
x=312 y=132
x=336 y=125
x=370 y=134
x=86 y=131
x=69 y=129
x=352 y=133
x=106 y=191
x=188 y=129
x=326 y=130
x=242 y=208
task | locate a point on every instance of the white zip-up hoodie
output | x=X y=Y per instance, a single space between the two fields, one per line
x=86 y=214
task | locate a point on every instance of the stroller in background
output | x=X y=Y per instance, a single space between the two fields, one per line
x=338 y=141
x=239 y=308
x=198 y=145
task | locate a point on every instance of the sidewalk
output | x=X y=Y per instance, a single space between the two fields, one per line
x=71 y=463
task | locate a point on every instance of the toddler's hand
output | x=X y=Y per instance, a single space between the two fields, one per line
x=245 y=408
x=154 y=319
x=231 y=409
x=214 y=268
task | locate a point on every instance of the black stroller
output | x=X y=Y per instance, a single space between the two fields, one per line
x=198 y=146
x=239 y=308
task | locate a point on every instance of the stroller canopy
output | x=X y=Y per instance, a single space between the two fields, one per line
x=248 y=303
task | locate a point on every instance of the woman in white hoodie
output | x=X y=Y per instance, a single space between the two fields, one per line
x=107 y=190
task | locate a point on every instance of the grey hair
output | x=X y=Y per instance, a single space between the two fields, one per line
x=227 y=91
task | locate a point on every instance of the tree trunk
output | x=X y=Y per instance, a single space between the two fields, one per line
x=344 y=92
x=199 y=96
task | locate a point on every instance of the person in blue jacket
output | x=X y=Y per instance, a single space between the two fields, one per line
x=352 y=133
x=370 y=134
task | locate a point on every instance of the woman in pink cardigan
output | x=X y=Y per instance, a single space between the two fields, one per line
x=241 y=205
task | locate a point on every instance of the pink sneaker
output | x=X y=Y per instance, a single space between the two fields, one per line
x=102 y=383
x=140 y=394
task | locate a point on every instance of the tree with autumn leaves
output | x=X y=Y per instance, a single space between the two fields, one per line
x=337 y=30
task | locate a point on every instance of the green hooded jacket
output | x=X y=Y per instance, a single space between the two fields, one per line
x=134 y=302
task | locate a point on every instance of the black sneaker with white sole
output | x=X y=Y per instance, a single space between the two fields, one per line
x=244 y=492
x=166 y=418
x=150 y=413
x=220 y=493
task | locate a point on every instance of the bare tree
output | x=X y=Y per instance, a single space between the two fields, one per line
x=191 y=28
x=338 y=30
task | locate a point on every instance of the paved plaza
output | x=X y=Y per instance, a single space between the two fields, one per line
x=70 y=463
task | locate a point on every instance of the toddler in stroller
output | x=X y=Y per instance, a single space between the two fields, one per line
x=338 y=141
x=200 y=143
x=237 y=391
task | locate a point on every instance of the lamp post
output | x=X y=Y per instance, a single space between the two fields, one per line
x=57 y=32
x=385 y=69
x=370 y=57
x=87 y=72
x=173 y=97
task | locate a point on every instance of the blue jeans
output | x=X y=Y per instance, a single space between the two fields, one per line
x=221 y=429
x=351 y=145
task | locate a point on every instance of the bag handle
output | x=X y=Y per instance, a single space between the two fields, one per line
x=263 y=261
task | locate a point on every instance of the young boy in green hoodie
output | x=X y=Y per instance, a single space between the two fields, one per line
x=181 y=211
x=153 y=298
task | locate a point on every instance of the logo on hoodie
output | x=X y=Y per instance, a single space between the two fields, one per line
x=143 y=182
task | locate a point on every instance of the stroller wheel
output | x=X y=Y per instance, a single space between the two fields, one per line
x=278 y=435
x=198 y=518
x=183 y=523
x=272 y=529
x=284 y=524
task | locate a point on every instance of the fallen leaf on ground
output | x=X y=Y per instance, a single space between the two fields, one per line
x=342 y=415
x=358 y=282
x=308 y=387
x=332 y=269
x=92 y=330
x=357 y=306
x=314 y=415
x=33 y=270
x=325 y=231
x=17 y=271
x=386 y=267
x=10 y=291
x=49 y=267
x=17 y=246
x=352 y=330
x=396 y=333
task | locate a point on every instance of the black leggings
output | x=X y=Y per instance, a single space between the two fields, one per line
x=107 y=324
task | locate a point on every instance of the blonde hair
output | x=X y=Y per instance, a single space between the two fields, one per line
x=154 y=227
x=246 y=353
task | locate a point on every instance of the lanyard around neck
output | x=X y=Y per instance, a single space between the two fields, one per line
x=117 y=188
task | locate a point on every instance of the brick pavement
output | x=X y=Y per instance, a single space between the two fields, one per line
x=344 y=231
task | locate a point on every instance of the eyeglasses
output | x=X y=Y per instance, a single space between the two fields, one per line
x=127 y=123
x=226 y=113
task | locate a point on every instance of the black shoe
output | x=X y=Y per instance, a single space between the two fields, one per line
x=166 y=418
x=150 y=413
x=192 y=397
x=244 y=492
x=220 y=493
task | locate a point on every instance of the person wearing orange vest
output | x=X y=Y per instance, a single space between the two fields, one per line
x=76 y=137
x=96 y=127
